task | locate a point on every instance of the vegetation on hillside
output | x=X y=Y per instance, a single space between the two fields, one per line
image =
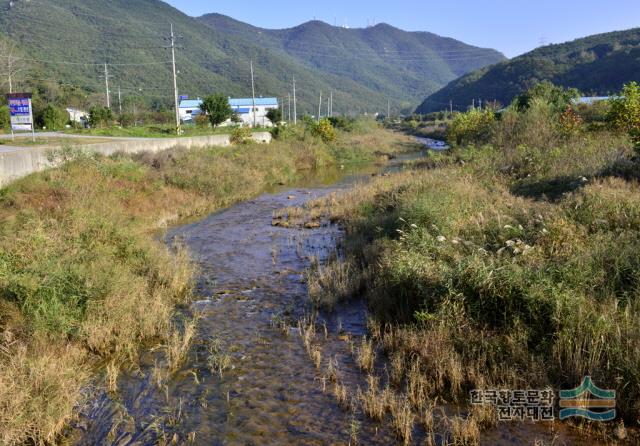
x=386 y=60
x=129 y=37
x=83 y=278
x=595 y=65
x=509 y=262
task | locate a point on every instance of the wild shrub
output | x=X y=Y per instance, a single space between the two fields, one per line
x=624 y=114
x=569 y=123
x=5 y=121
x=323 y=130
x=241 y=135
x=472 y=126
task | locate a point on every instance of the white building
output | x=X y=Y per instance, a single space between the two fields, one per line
x=248 y=114
x=80 y=117
x=243 y=107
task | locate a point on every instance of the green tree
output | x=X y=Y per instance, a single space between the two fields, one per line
x=5 y=121
x=217 y=108
x=53 y=118
x=275 y=116
x=100 y=116
x=624 y=113
x=473 y=126
x=558 y=97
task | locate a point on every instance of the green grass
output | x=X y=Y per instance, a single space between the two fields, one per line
x=506 y=267
x=83 y=277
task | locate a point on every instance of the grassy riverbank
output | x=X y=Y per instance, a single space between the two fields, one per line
x=501 y=265
x=83 y=279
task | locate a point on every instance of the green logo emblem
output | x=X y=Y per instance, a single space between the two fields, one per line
x=588 y=401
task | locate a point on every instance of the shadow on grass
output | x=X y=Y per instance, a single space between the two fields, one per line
x=627 y=168
x=550 y=189
x=553 y=189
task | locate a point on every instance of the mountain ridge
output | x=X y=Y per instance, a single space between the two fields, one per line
x=67 y=43
x=369 y=55
x=598 y=65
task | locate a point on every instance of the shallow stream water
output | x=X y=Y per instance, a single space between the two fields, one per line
x=251 y=283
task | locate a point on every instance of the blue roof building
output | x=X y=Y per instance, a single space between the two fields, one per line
x=243 y=107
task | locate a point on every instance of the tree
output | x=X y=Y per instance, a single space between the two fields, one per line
x=10 y=65
x=471 y=127
x=5 y=121
x=53 y=118
x=217 y=108
x=275 y=116
x=624 y=114
x=558 y=97
x=100 y=116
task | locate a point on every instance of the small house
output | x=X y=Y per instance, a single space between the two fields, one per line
x=243 y=107
x=189 y=109
x=78 y=117
x=248 y=113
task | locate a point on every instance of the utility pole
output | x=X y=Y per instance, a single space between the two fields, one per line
x=295 y=103
x=253 y=95
x=119 y=100
x=320 y=107
x=451 y=108
x=388 y=108
x=281 y=109
x=480 y=103
x=106 y=84
x=172 y=46
x=331 y=105
x=289 y=96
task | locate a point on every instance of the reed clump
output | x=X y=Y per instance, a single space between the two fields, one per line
x=504 y=266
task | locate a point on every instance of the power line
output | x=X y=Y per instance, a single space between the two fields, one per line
x=88 y=64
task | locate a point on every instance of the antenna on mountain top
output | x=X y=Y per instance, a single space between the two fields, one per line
x=543 y=41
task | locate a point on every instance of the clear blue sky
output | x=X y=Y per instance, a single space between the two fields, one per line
x=511 y=26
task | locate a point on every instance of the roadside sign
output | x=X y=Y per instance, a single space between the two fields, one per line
x=184 y=97
x=21 y=112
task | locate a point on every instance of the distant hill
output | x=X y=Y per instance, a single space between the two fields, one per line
x=67 y=43
x=398 y=64
x=596 y=65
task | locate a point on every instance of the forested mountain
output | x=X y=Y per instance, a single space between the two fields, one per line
x=67 y=42
x=399 y=64
x=596 y=65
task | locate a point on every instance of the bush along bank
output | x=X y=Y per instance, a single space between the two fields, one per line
x=509 y=263
x=83 y=280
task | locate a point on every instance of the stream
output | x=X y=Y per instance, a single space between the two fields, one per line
x=252 y=293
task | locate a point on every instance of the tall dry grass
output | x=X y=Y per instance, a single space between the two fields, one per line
x=80 y=265
x=504 y=266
